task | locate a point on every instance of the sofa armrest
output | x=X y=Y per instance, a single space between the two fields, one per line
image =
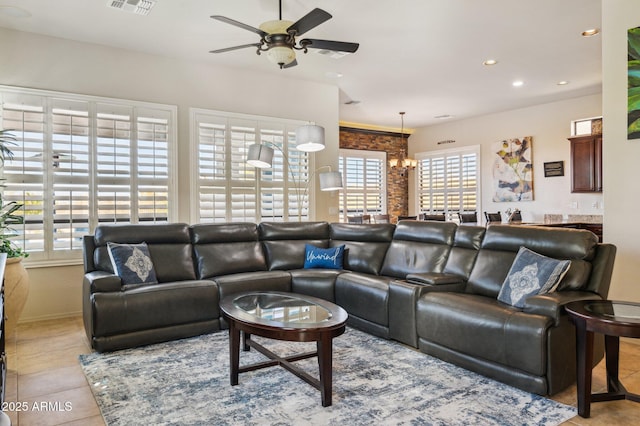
x=102 y=282
x=434 y=278
x=552 y=304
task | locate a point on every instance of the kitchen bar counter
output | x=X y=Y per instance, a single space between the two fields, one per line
x=596 y=228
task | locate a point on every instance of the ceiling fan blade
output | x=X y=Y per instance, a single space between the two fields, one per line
x=239 y=24
x=291 y=64
x=309 y=21
x=339 y=46
x=229 y=49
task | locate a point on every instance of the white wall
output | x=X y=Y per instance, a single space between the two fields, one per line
x=40 y=62
x=621 y=156
x=549 y=124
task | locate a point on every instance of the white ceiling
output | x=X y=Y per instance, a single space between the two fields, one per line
x=419 y=56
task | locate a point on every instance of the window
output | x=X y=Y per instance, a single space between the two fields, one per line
x=227 y=189
x=447 y=181
x=364 y=174
x=586 y=126
x=80 y=161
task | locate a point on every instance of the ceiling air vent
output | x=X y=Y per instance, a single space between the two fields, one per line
x=139 y=7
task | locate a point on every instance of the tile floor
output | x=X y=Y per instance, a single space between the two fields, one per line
x=43 y=368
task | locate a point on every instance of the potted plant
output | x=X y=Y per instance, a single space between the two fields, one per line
x=16 y=279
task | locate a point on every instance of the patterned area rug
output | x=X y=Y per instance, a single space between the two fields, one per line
x=375 y=382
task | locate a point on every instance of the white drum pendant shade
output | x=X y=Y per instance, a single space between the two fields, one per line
x=330 y=181
x=310 y=138
x=260 y=156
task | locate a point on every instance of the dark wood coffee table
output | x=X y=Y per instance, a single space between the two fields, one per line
x=284 y=316
x=614 y=320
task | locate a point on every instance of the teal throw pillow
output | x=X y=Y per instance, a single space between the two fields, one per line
x=132 y=263
x=330 y=258
x=531 y=273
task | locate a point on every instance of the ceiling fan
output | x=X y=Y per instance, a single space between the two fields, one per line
x=278 y=38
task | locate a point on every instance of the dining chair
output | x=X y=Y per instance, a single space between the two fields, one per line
x=354 y=219
x=493 y=217
x=381 y=218
x=437 y=217
x=468 y=217
x=407 y=218
x=366 y=218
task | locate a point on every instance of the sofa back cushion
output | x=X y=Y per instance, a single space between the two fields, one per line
x=418 y=246
x=169 y=247
x=466 y=244
x=284 y=242
x=502 y=242
x=366 y=244
x=228 y=248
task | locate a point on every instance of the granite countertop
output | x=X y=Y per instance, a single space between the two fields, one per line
x=553 y=219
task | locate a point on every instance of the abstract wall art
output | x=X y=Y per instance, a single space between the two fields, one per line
x=633 y=83
x=513 y=170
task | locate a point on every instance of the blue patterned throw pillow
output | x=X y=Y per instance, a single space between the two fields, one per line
x=316 y=257
x=531 y=273
x=132 y=263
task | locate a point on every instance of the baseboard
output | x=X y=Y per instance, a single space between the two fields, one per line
x=50 y=317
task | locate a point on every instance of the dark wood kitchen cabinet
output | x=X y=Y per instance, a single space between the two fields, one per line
x=586 y=163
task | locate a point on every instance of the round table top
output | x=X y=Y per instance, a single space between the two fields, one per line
x=607 y=316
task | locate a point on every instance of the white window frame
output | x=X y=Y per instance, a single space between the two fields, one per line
x=365 y=190
x=55 y=257
x=278 y=178
x=451 y=213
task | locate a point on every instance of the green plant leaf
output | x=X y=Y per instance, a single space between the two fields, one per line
x=633 y=99
x=634 y=127
x=633 y=71
x=633 y=36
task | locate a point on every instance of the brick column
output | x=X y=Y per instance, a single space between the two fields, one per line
x=395 y=146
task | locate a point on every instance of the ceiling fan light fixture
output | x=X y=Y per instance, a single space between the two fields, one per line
x=281 y=55
x=310 y=138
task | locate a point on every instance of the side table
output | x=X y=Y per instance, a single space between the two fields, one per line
x=614 y=320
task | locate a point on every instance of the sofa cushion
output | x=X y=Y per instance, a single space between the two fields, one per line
x=284 y=242
x=227 y=248
x=326 y=258
x=531 y=273
x=502 y=242
x=484 y=328
x=365 y=244
x=169 y=245
x=132 y=263
x=364 y=296
x=418 y=246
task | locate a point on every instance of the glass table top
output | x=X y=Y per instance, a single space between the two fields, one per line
x=616 y=311
x=282 y=308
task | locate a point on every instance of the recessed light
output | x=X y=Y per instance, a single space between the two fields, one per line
x=518 y=83
x=563 y=83
x=443 y=116
x=489 y=62
x=14 y=12
x=333 y=74
x=590 y=32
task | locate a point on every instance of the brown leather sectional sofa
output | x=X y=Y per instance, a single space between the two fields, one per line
x=431 y=285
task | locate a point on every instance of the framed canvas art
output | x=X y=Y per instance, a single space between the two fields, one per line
x=513 y=170
x=633 y=83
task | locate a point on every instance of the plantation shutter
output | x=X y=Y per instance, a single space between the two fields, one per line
x=447 y=182
x=230 y=190
x=365 y=184
x=80 y=161
x=25 y=174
